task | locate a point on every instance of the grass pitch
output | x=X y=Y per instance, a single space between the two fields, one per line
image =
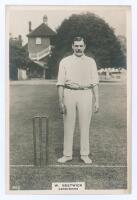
x=108 y=140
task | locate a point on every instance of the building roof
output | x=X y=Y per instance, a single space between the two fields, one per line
x=42 y=31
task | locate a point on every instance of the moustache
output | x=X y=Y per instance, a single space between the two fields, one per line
x=78 y=51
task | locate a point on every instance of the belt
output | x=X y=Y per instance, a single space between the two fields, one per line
x=78 y=88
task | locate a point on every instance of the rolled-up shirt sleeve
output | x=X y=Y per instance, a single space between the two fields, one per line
x=94 y=74
x=61 y=75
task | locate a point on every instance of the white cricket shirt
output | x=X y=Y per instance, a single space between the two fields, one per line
x=78 y=70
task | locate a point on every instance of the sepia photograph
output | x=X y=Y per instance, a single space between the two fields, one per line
x=68 y=129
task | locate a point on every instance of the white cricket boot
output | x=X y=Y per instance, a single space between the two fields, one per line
x=64 y=159
x=86 y=159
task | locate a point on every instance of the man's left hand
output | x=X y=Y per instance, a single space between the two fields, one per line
x=96 y=107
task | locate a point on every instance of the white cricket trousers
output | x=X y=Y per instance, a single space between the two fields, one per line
x=82 y=100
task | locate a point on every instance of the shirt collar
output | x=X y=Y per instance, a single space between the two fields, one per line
x=76 y=57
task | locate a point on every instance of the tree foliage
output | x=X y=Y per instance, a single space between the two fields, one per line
x=101 y=42
x=18 y=59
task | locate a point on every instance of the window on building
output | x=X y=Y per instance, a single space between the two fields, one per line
x=38 y=40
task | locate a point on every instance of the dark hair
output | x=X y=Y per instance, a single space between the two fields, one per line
x=78 y=39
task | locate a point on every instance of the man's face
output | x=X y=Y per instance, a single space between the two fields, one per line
x=78 y=48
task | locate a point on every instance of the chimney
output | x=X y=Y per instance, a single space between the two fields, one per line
x=45 y=19
x=10 y=35
x=30 y=27
x=20 y=40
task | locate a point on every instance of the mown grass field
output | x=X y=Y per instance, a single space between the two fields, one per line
x=108 y=140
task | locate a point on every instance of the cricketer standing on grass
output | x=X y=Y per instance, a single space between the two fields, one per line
x=77 y=83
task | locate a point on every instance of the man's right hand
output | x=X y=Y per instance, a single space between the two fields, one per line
x=62 y=108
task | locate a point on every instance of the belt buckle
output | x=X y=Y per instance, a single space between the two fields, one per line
x=82 y=88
